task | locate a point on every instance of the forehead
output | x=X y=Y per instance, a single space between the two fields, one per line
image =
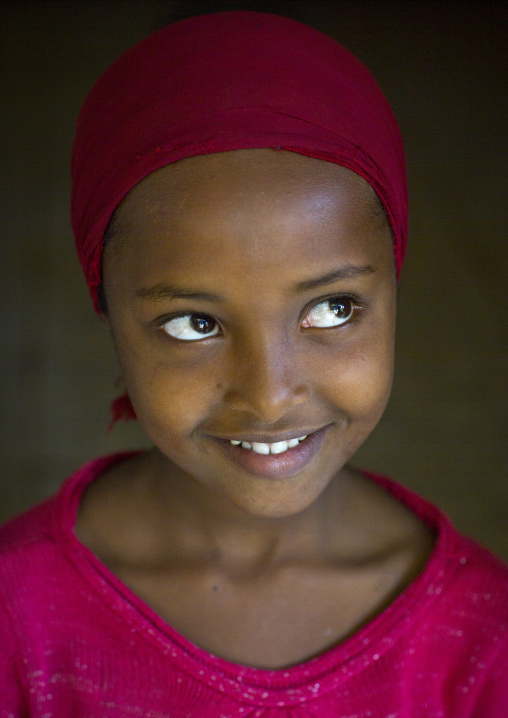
x=242 y=180
x=250 y=205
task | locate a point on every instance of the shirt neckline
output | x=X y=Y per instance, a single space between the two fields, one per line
x=260 y=686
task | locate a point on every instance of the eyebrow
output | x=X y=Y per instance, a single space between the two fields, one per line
x=349 y=271
x=172 y=291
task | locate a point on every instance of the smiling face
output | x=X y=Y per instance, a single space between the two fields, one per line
x=251 y=297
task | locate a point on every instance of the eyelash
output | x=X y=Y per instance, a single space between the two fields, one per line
x=356 y=305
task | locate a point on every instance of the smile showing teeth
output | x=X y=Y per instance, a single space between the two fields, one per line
x=279 y=447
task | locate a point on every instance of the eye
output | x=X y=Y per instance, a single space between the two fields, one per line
x=191 y=327
x=331 y=313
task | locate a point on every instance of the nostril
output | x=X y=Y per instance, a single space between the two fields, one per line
x=233 y=403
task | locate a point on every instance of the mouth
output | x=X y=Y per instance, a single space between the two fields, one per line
x=277 y=447
x=279 y=459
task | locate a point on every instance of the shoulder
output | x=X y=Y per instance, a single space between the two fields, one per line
x=467 y=627
x=36 y=545
x=456 y=619
x=465 y=600
x=469 y=580
x=477 y=588
x=35 y=526
x=29 y=560
x=21 y=536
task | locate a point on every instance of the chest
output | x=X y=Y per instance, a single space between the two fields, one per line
x=272 y=620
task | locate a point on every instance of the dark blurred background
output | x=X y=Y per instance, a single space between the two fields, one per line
x=443 y=66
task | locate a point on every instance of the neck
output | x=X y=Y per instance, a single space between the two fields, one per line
x=198 y=520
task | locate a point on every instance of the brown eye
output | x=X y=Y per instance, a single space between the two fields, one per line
x=202 y=323
x=331 y=313
x=191 y=327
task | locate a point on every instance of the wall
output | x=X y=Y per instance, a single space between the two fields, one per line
x=443 y=67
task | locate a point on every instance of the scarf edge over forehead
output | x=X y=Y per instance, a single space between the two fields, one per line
x=223 y=82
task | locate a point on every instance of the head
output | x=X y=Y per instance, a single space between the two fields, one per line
x=249 y=271
x=251 y=296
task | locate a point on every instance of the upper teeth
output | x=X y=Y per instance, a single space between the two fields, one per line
x=276 y=448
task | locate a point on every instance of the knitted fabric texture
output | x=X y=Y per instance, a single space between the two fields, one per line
x=75 y=642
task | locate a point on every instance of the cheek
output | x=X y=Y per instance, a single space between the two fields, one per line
x=357 y=378
x=172 y=393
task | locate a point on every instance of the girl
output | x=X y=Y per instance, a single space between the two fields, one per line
x=240 y=213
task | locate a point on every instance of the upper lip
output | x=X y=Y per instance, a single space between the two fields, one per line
x=268 y=438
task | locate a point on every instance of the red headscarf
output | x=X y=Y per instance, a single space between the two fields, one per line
x=229 y=81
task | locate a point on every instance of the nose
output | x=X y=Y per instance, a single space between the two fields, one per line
x=265 y=379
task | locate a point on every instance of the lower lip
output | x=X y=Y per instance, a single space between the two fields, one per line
x=275 y=466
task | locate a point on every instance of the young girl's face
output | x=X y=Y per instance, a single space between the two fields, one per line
x=251 y=297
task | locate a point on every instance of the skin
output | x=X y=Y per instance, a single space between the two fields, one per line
x=277 y=568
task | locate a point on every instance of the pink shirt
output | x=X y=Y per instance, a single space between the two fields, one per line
x=76 y=643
